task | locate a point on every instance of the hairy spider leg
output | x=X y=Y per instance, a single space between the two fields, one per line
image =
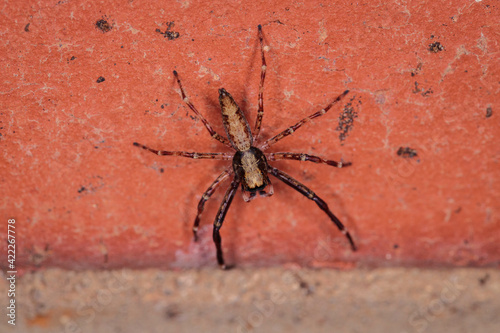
x=186 y=100
x=208 y=193
x=311 y=195
x=219 y=219
x=260 y=113
x=305 y=157
x=295 y=127
x=210 y=156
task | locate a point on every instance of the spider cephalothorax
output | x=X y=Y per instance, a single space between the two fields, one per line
x=250 y=166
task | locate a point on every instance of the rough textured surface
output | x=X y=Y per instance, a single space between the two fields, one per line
x=82 y=80
x=261 y=300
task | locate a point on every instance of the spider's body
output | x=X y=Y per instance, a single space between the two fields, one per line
x=249 y=162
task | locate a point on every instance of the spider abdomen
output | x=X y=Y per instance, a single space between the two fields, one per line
x=235 y=123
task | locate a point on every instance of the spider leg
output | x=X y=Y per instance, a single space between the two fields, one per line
x=211 y=156
x=208 y=193
x=221 y=214
x=305 y=157
x=212 y=132
x=311 y=195
x=260 y=113
x=295 y=127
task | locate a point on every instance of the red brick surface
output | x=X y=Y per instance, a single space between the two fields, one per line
x=84 y=197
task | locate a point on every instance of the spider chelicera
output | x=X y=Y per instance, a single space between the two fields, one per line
x=249 y=163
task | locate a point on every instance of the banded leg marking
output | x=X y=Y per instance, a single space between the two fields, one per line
x=305 y=157
x=219 y=219
x=260 y=113
x=311 y=195
x=186 y=100
x=295 y=127
x=208 y=193
x=211 y=156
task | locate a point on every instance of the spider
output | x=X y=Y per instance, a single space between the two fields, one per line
x=250 y=166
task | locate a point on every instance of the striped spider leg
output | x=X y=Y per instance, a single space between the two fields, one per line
x=249 y=167
x=208 y=193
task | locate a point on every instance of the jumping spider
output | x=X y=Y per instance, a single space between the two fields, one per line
x=249 y=163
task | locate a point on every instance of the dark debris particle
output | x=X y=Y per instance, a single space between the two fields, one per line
x=168 y=33
x=417 y=70
x=436 y=47
x=27 y=27
x=396 y=246
x=422 y=91
x=162 y=170
x=346 y=119
x=417 y=89
x=172 y=311
x=305 y=286
x=427 y=92
x=484 y=279
x=277 y=21
x=103 y=25
x=81 y=189
x=100 y=79
x=308 y=289
x=489 y=112
x=407 y=152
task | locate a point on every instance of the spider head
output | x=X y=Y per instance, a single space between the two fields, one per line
x=250 y=167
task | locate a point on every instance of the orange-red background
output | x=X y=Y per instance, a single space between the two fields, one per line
x=84 y=197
